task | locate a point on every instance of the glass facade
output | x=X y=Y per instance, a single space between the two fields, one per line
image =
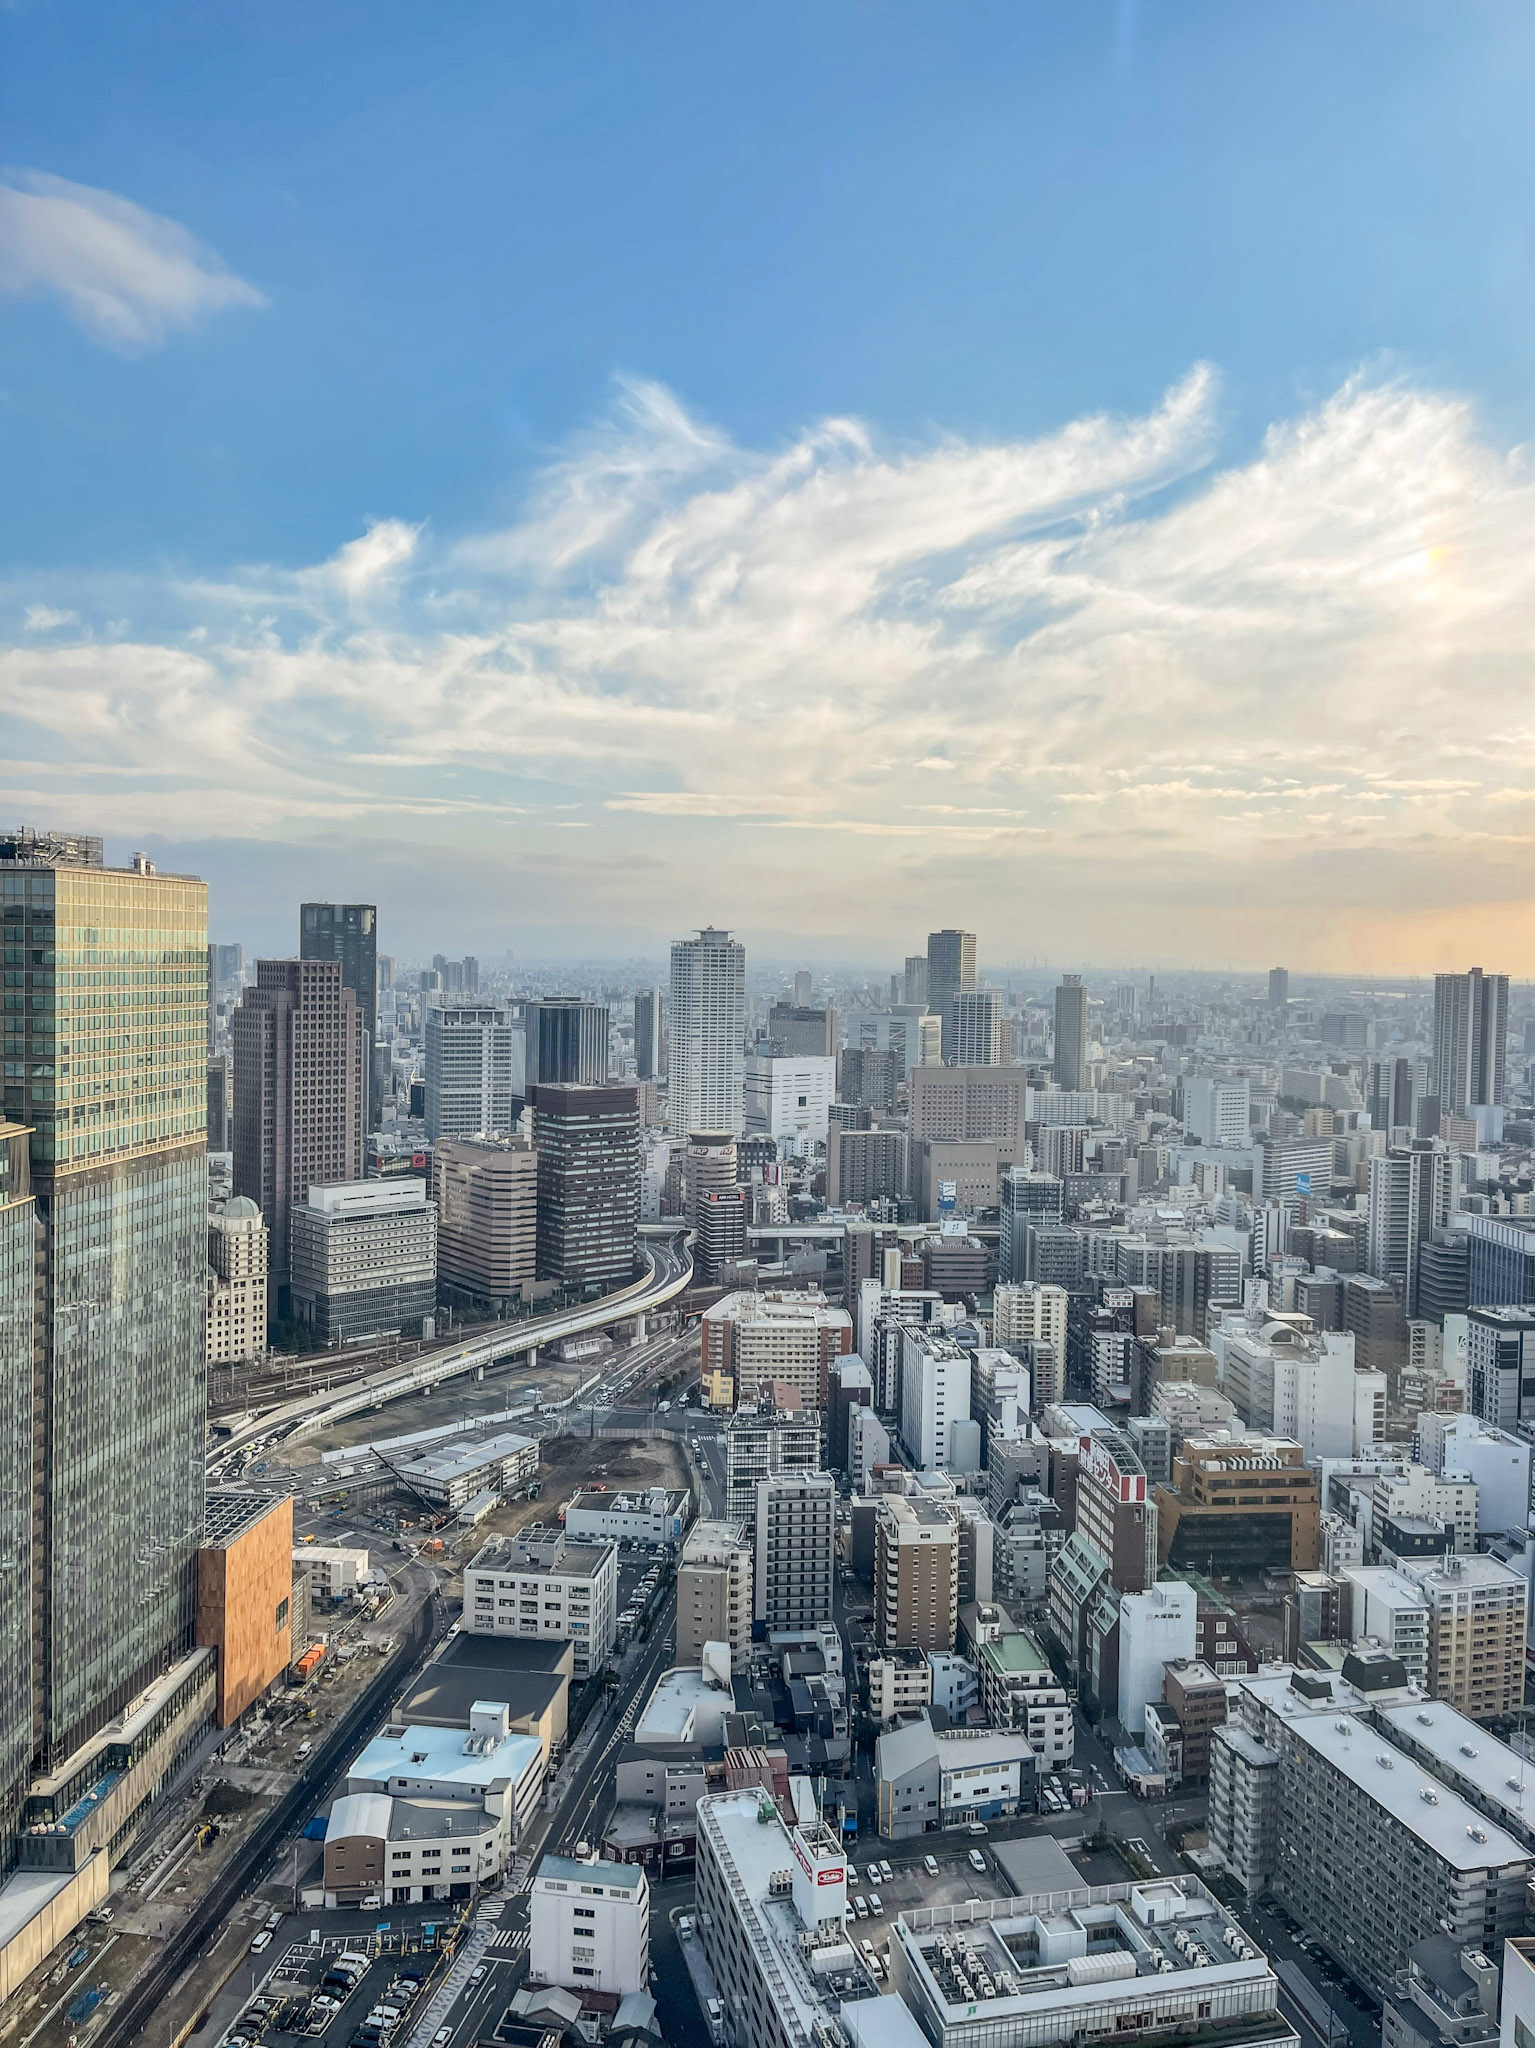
x=17 y=1271
x=126 y=1408
x=105 y=1018
x=1502 y=1261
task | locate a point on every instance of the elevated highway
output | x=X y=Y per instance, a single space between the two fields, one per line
x=669 y=1274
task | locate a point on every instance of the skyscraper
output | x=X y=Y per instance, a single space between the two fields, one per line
x=708 y=1018
x=950 y=968
x=717 y=1209
x=1279 y=987
x=1396 y=1087
x=980 y=1024
x=1470 y=1040
x=799 y=1031
x=803 y=987
x=1412 y=1190
x=588 y=1146
x=1070 y=1032
x=18 y=1287
x=914 y=988
x=301 y=1061
x=567 y=1041
x=348 y=932
x=474 y=1080
x=107 y=1065
x=647 y=1034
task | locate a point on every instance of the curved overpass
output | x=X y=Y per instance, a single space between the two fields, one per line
x=670 y=1274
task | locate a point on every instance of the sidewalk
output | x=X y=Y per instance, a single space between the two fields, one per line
x=487 y=1920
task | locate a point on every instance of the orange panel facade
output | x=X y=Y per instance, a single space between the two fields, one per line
x=244 y=1596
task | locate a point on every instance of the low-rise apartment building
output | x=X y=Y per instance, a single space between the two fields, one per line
x=553 y=1589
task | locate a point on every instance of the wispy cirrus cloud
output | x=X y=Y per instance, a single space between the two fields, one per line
x=128 y=277
x=1093 y=685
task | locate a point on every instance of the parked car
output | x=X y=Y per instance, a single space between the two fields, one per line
x=930 y=1865
x=887 y=1875
x=852 y=1873
x=977 y=1860
x=273 y=1922
x=876 y=1905
x=262 y=1940
x=975 y=1827
x=861 y=1908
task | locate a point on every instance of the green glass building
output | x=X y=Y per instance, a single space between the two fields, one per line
x=104 y=1020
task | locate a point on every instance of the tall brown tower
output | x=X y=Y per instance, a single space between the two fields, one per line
x=301 y=1058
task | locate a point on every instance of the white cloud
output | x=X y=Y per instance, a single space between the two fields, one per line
x=1102 y=695
x=373 y=559
x=128 y=277
x=43 y=618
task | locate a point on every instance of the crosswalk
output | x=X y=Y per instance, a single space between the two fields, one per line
x=510 y=1941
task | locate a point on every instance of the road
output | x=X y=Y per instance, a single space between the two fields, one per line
x=585 y=1805
x=671 y=1272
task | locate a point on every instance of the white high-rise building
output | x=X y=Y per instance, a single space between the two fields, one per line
x=908 y=1030
x=980 y=1026
x=474 y=1071
x=935 y=1394
x=1155 y=1627
x=707 y=1017
x=1218 y=1112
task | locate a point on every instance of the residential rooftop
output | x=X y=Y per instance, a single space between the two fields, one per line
x=1423 y=1804
x=557 y=1556
x=626 y=1877
x=1014 y=1653
x=1492 y=1774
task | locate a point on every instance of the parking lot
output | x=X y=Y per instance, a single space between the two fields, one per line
x=283 y=1991
x=910 y=1884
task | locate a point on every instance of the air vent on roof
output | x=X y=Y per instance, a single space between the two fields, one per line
x=1342 y=1727
x=1477 y=1834
x=1385 y=1762
x=1429 y=1798
x=1468 y=1749
x=1427 y=1720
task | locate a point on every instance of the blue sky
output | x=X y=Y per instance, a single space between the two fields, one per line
x=651 y=344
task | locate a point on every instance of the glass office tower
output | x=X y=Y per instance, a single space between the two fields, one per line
x=105 y=1018
x=17 y=1290
x=348 y=932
